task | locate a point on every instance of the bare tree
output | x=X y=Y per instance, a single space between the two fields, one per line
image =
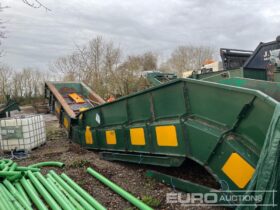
x=17 y=85
x=149 y=61
x=92 y=63
x=5 y=80
x=27 y=84
x=185 y=58
x=127 y=77
x=99 y=64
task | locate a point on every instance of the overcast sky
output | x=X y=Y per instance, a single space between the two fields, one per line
x=36 y=37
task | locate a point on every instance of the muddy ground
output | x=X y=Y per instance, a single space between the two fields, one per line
x=131 y=177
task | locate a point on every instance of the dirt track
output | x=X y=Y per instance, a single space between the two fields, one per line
x=129 y=176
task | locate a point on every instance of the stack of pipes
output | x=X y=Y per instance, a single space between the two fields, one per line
x=26 y=188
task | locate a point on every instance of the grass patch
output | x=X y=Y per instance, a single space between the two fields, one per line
x=151 y=201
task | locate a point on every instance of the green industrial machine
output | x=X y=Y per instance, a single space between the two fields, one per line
x=67 y=99
x=226 y=123
x=157 y=77
x=261 y=64
x=231 y=131
x=10 y=105
x=218 y=75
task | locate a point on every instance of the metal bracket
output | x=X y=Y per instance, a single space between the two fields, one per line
x=242 y=114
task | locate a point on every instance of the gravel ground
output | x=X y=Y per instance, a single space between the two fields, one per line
x=131 y=177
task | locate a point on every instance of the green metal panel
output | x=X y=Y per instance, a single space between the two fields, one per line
x=254 y=127
x=138 y=113
x=270 y=88
x=220 y=105
x=77 y=135
x=114 y=114
x=255 y=74
x=94 y=119
x=169 y=101
x=277 y=76
x=201 y=132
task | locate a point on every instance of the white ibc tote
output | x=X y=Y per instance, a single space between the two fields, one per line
x=22 y=132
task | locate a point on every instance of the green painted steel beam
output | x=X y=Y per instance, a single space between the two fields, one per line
x=143 y=159
x=180 y=184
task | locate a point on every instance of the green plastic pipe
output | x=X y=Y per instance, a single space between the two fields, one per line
x=2 y=165
x=32 y=187
x=21 y=168
x=83 y=193
x=71 y=191
x=53 y=192
x=14 y=200
x=12 y=167
x=126 y=195
x=8 y=200
x=60 y=194
x=43 y=192
x=10 y=173
x=5 y=168
x=71 y=199
x=17 y=195
x=22 y=192
x=15 y=177
x=3 y=203
x=2 y=162
x=8 y=162
x=32 y=194
x=48 y=163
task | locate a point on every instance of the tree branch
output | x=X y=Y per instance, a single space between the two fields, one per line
x=36 y=4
